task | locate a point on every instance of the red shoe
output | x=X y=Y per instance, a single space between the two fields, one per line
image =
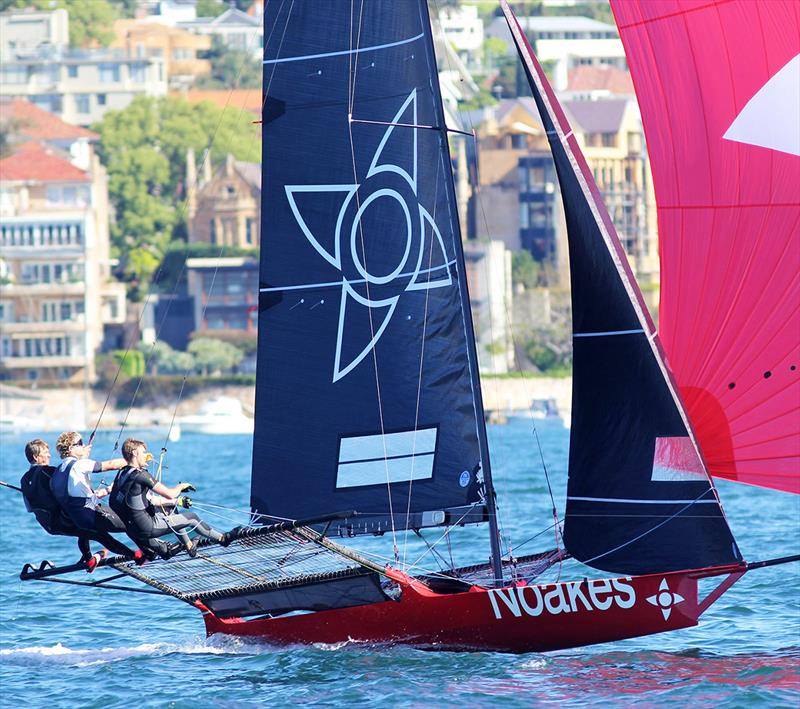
x=139 y=557
x=91 y=563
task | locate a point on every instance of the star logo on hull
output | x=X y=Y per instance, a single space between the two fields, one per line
x=665 y=599
x=383 y=241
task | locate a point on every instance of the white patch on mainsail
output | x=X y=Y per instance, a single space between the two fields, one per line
x=401 y=456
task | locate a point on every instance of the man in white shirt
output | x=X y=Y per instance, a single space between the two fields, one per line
x=72 y=487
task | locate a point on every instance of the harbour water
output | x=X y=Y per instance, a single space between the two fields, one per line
x=69 y=646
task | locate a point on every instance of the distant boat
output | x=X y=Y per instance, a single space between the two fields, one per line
x=539 y=409
x=220 y=415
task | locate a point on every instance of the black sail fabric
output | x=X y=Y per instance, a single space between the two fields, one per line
x=365 y=396
x=639 y=499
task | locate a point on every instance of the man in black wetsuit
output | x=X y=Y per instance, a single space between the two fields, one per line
x=40 y=501
x=148 y=507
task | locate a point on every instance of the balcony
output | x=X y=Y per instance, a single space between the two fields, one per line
x=19 y=290
x=43 y=328
x=40 y=362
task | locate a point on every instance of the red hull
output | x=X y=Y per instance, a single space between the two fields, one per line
x=512 y=619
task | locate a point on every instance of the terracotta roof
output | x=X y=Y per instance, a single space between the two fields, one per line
x=587 y=77
x=238 y=99
x=33 y=162
x=38 y=124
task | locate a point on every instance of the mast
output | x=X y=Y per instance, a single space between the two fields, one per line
x=472 y=351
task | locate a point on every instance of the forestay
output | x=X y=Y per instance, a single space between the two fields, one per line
x=638 y=498
x=366 y=397
x=718 y=83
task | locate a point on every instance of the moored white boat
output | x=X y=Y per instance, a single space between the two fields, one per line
x=220 y=415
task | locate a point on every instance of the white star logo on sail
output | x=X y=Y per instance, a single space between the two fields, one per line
x=665 y=599
x=339 y=244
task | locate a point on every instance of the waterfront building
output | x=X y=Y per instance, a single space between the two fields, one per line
x=565 y=42
x=79 y=86
x=225 y=207
x=518 y=201
x=57 y=297
x=488 y=268
x=177 y=47
x=225 y=293
x=463 y=29
x=234 y=28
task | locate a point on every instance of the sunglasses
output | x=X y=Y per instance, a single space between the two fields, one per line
x=79 y=442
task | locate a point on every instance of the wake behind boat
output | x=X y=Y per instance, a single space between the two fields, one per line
x=369 y=417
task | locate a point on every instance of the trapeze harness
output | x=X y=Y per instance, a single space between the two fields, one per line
x=80 y=509
x=144 y=521
x=40 y=500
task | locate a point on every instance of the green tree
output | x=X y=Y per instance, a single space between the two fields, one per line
x=210 y=8
x=144 y=150
x=162 y=359
x=213 y=356
x=89 y=20
x=230 y=68
x=524 y=270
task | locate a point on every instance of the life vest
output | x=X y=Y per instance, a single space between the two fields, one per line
x=75 y=507
x=40 y=500
x=122 y=499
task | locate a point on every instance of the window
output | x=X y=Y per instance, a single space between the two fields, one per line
x=14 y=74
x=137 y=73
x=48 y=102
x=101 y=99
x=72 y=71
x=212 y=225
x=109 y=73
x=609 y=140
x=250 y=230
x=82 y=103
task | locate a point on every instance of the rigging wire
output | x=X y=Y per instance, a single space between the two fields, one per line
x=351 y=78
x=184 y=207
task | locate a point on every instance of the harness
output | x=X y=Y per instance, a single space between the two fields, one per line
x=59 y=486
x=40 y=500
x=122 y=500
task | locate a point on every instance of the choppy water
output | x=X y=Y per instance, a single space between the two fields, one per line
x=68 y=646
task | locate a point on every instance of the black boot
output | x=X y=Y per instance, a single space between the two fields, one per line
x=231 y=536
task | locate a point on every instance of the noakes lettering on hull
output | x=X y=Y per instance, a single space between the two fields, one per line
x=599 y=594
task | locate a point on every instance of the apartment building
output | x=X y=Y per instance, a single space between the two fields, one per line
x=56 y=294
x=79 y=86
x=517 y=193
x=565 y=42
x=488 y=268
x=177 y=48
x=518 y=198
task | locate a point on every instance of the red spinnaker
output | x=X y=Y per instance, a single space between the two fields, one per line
x=718 y=82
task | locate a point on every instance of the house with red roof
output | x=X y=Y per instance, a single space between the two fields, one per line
x=58 y=300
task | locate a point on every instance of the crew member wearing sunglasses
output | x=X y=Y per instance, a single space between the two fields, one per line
x=72 y=487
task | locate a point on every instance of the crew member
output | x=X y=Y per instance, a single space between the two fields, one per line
x=148 y=507
x=72 y=487
x=40 y=501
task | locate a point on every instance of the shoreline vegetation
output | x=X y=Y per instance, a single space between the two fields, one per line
x=156 y=398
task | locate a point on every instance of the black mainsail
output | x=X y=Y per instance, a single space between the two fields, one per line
x=367 y=393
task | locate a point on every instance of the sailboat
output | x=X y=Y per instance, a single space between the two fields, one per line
x=369 y=418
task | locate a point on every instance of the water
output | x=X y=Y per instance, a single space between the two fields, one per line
x=68 y=646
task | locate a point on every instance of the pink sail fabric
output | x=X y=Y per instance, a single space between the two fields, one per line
x=718 y=82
